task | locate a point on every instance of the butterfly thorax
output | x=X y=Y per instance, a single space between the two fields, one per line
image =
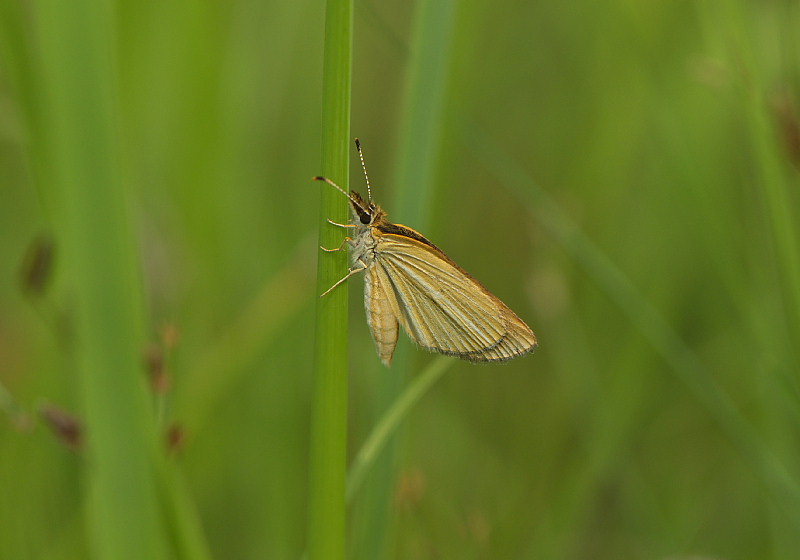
x=371 y=222
x=365 y=217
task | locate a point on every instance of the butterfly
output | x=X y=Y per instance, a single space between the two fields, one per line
x=411 y=282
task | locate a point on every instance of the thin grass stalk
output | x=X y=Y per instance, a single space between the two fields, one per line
x=392 y=419
x=772 y=183
x=123 y=517
x=328 y=454
x=223 y=364
x=186 y=529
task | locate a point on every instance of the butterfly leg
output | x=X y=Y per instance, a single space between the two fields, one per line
x=339 y=248
x=350 y=272
x=340 y=225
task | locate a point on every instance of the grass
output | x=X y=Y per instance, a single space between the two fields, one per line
x=622 y=176
x=328 y=456
x=390 y=421
x=85 y=188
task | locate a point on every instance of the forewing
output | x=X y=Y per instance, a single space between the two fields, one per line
x=444 y=309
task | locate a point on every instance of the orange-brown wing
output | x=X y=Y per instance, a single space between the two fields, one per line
x=445 y=310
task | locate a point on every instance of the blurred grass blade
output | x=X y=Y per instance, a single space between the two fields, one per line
x=328 y=454
x=221 y=366
x=186 y=529
x=773 y=182
x=424 y=110
x=391 y=420
x=100 y=260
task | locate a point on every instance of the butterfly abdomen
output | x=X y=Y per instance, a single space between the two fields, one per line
x=381 y=316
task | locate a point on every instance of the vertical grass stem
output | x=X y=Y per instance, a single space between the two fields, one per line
x=328 y=455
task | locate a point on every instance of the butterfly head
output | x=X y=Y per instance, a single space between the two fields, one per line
x=368 y=213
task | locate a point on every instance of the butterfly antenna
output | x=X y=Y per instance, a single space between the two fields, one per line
x=331 y=183
x=364 y=167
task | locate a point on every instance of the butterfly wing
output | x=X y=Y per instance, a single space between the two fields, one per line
x=444 y=309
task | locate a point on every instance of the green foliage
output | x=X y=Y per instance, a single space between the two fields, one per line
x=624 y=175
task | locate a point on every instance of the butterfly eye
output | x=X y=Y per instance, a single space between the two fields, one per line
x=365 y=218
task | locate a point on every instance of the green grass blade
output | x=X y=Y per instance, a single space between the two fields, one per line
x=391 y=420
x=424 y=111
x=186 y=529
x=763 y=85
x=222 y=365
x=77 y=47
x=328 y=455
x=738 y=44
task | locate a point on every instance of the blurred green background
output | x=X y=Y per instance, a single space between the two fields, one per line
x=622 y=174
